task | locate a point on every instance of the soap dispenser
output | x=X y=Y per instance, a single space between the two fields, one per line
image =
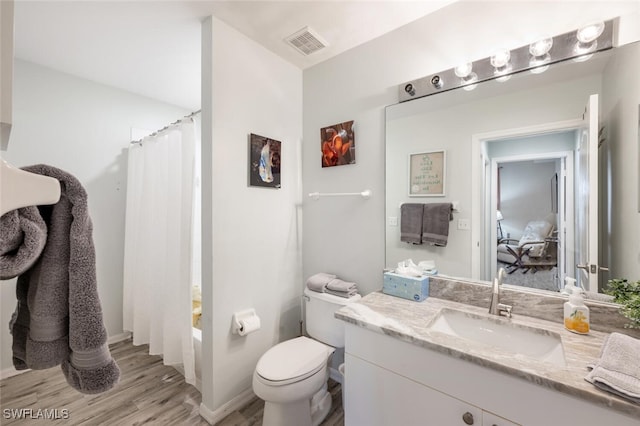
x=576 y=313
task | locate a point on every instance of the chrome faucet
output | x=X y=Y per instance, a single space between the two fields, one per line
x=495 y=307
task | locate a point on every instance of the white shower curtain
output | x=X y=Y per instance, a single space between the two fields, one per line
x=158 y=254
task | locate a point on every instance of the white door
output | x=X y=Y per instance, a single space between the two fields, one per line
x=586 y=200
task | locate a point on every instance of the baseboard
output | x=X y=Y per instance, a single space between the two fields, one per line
x=118 y=338
x=10 y=372
x=213 y=417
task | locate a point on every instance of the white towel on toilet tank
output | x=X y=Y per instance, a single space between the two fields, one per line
x=341 y=288
x=319 y=281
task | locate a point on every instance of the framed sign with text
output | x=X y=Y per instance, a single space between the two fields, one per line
x=427 y=171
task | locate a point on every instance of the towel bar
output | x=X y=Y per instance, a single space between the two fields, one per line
x=366 y=194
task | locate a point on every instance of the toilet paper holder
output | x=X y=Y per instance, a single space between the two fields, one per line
x=245 y=321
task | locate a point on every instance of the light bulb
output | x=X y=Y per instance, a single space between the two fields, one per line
x=537 y=64
x=585 y=48
x=541 y=47
x=589 y=33
x=500 y=58
x=468 y=81
x=463 y=70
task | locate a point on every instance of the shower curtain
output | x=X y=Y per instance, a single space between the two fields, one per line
x=158 y=254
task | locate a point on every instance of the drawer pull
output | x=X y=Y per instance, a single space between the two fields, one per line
x=467 y=418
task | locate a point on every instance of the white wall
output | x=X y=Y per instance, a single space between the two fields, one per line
x=621 y=114
x=525 y=193
x=346 y=236
x=84 y=128
x=252 y=241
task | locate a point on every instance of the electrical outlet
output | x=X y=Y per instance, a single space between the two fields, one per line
x=464 y=224
x=393 y=221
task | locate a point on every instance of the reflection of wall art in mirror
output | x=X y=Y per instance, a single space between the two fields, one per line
x=337 y=143
x=264 y=161
x=427 y=172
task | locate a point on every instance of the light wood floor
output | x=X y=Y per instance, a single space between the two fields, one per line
x=148 y=393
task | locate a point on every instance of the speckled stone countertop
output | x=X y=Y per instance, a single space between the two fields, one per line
x=409 y=321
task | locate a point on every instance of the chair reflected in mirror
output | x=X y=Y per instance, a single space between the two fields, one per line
x=537 y=248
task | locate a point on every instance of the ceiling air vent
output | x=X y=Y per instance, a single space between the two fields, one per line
x=306 y=41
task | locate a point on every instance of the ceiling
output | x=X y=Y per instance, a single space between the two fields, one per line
x=152 y=47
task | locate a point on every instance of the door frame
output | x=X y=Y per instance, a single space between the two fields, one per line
x=481 y=229
x=565 y=204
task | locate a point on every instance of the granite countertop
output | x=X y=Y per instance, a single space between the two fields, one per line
x=409 y=321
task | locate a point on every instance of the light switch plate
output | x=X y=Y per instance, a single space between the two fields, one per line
x=464 y=224
x=393 y=221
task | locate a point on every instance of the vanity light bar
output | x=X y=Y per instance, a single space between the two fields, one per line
x=564 y=46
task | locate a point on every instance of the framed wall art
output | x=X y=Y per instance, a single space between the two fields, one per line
x=338 y=144
x=427 y=171
x=264 y=161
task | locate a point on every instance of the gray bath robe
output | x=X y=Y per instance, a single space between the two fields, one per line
x=58 y=318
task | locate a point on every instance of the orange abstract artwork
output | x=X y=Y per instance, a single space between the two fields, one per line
x=338 y=144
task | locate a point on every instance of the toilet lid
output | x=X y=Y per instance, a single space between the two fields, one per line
x=294 y=359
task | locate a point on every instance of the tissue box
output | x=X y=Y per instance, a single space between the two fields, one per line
x=412 y=288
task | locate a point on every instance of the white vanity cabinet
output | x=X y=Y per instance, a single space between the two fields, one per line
x=391 y=382
x=377 y=396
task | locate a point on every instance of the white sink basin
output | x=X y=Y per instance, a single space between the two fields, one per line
x=531 y=342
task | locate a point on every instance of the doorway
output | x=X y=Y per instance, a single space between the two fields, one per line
x=527 y=176
x=530 y=200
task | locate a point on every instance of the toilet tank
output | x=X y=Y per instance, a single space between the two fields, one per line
x=320 y=322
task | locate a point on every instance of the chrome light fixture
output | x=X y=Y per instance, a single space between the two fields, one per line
x=536 y=57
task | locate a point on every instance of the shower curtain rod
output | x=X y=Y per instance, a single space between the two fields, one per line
x=167 y=126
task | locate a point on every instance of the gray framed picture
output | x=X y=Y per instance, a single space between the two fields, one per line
x=427 y=171
x=264 y=161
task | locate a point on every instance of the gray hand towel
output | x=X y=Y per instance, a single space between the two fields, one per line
x=338 y=285
x=411 y=223
x=23 y=235
x=435 y=223
x=58 y=319
x=319 y=281
x=618 y=369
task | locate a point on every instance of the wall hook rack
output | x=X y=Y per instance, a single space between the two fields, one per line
x=366 y=194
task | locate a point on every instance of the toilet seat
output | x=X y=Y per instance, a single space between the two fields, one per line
x=292 y=361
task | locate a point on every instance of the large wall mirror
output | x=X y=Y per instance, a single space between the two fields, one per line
x=520 y=164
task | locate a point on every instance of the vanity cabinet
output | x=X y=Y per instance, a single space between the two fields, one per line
x=389 y=381
x=377 y=396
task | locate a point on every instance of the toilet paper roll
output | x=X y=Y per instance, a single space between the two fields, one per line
x=249 y=325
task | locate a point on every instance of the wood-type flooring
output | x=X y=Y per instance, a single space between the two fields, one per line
x=148 y=393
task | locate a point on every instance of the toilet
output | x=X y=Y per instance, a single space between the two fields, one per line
x=292 y=376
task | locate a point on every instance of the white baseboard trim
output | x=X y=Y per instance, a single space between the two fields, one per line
x=10 y=372
x=213 y=417
x=118 y=338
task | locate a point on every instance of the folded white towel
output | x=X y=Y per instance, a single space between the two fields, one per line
x=319 y=281
x=337 y=284
x=618 y=368
x=345 y=294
